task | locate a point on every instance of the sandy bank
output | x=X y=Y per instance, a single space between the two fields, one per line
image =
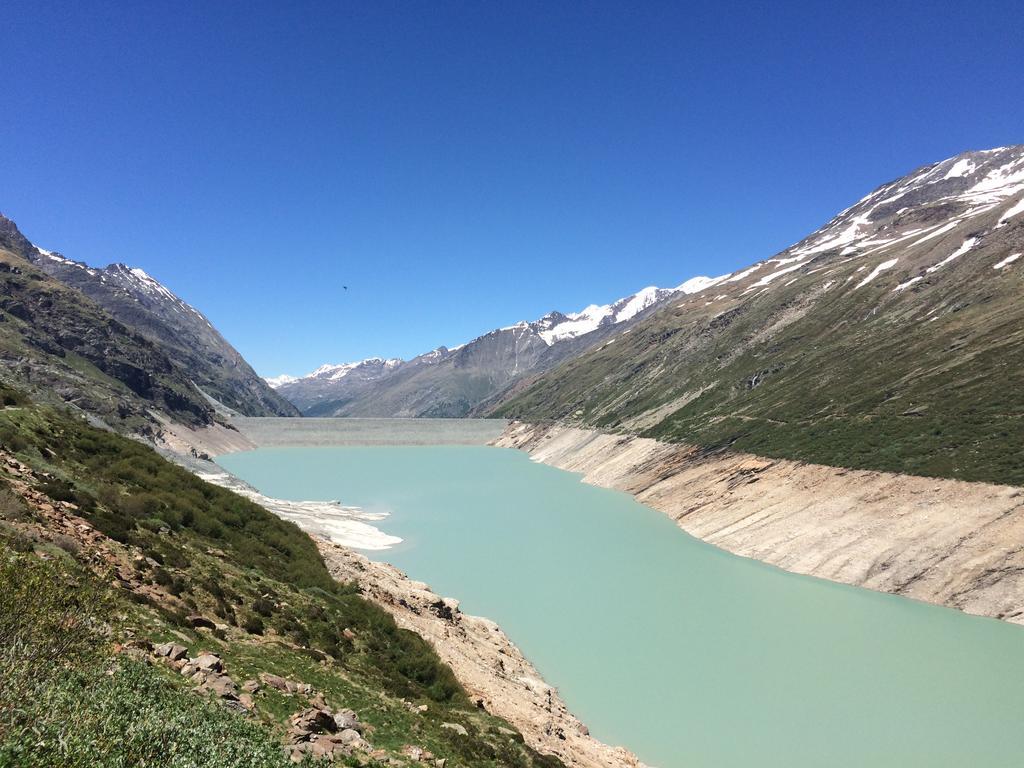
x=943 y=541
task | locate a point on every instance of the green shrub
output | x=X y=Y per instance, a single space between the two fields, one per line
x=253 y=625
x=12 y=506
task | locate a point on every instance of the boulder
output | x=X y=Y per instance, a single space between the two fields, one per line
x=202 y=622
x=459 y=729
x=188 y=669
x=350 y=737
x=274 y=681
x=313 y=720
x=346 y=719
x=209 y=662
x=222 y=685
x=250 y=686
x=171 y=651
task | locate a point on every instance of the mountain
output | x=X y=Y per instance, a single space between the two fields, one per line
x=456 y=382
x=58 y=344
x=332 y=383
x=891 y=338
x=183 y=333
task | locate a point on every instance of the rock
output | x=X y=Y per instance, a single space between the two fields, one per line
x=417 y=754
x=250 y=686
x=304 y=688
x=459 y=729
x=348 y=634
x=246 y=700
x=274 y=681
x=171 y=651
x=222 y=685
x=313 y=721
x=188 y=669
x=198 y=622
x=346 y=719
x=209 y=662
x=441 y=762
x=322 y=748
x=350 y=736
x=422 y=708
x=318 y=701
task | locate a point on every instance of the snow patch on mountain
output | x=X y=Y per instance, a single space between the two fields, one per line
x=964 y=248
x=877 y=271
x=1015 y=210
x=335 y=371
x=276 y=382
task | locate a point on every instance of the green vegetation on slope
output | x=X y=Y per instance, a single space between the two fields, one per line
x=59 y=706
x=180 y=547
x=924 y=381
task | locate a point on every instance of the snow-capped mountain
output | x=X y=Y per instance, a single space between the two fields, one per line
x=451 y=382
x=181 y=331
x=890 y=338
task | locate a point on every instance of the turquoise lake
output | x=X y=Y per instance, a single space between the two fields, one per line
x=682 y=653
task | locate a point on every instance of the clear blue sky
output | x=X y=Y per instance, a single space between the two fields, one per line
x=461 y=166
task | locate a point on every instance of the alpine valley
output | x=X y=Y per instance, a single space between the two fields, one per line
x=848 y=409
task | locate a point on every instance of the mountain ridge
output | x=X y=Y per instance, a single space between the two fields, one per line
x=184 y=333
x=890 y=338
x=470 y=373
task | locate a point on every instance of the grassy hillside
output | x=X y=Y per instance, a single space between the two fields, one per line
x=917 y=369
x=82 y=508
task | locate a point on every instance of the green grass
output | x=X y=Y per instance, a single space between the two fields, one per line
x=923 y=383
x=221 y=556
x=65 y=702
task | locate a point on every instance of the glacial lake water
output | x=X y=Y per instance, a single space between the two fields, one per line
x=683 y=653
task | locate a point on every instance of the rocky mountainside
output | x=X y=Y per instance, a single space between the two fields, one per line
x=179 y=330
x=892 y=338
x=58 y=344
x=459 y=381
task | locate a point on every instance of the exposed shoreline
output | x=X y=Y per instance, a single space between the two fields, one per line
x=486 y=663
x=494 y=672
x=947 y=542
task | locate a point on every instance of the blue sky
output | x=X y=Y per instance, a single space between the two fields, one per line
x=462 y=166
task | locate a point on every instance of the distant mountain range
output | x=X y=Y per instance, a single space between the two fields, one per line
x=460 y=381
x=892 y=338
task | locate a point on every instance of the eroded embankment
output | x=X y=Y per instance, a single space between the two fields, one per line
x=487 y=664
x=492 y=670
x=943 y=541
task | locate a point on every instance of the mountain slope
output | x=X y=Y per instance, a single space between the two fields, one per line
x=179 y=330
x=456 y=382
x=59 y=344
x=892 y=338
